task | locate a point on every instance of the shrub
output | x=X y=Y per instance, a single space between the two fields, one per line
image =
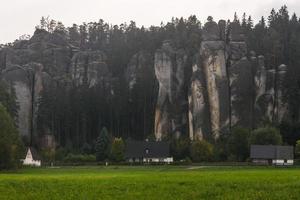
x=79 y=158
x=266 y=136
x=86 y=149
x=60 y=153
x=180 y=148
x=201 y=151
x=238 y=143
x=297 y=149
x=117 y=150
x=48 y=154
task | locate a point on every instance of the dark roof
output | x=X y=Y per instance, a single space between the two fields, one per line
x=271 y=152
x=34 y=153
x=142 y=149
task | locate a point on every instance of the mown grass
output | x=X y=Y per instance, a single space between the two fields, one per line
x=159 y=182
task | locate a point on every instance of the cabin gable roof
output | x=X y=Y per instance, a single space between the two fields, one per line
x=142 y=149
x=271 y=152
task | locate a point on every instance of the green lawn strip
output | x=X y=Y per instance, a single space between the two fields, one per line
x=151 y=183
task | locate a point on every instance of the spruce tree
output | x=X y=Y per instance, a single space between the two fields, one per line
x=9 y=141
x=102 y=145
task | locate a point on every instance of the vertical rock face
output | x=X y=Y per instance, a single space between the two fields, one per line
x=213 y=57
x=229 y=88
x=169 y=70
x=138 y=63
x=18 y=79
x=260 y=78
x=281 y=108
x=199 y=122
x=240 y=75
x=27 y=81
x=88 y=68
x=270 y=95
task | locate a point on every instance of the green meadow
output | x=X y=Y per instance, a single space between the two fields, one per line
x=151 y=182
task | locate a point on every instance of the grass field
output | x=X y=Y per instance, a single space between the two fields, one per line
x=161 y=182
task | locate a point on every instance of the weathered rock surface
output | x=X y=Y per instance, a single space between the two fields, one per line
x=260 y=78
x=230 y=87
x=137 y=65
x=28 y=82
x=89 y=68
x=169 y=70
x=241 y=79
x=199 y=122
x=214 y=58
x=19 y=79
x=270 y=95
x=281 y=107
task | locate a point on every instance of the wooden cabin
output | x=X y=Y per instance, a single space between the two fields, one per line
x=272 y=155
x=148 y=152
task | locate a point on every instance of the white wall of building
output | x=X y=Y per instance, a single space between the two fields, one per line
x=30 y=161
x=283 y=162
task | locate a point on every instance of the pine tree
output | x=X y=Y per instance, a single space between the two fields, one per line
x=8 y=100
x=272 y=18
x=9 y=141
x=249 y=23
x=244 y=21
x=102 y=145
x=236 y=18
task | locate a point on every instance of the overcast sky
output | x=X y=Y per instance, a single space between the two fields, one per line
x=18 y=17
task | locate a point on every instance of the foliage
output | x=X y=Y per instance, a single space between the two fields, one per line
x=79 y=158
x=48 y=155
x=297 y=149
x=180 y=148
x=238 y=143
x=266 y=136
x=290 y=132
x=201 y=151
x=103 y=145
x=10 y=143
x=8 y=99
x=60 y=154
x=86 y=149
x=221 y=149
x=117 y=150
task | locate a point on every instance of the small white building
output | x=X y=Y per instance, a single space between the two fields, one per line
x=32 y=158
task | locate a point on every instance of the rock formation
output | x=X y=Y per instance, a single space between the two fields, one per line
x=241 y=79
x=28 y=82
x=89 y=68
x=231 y=86
x=270 y=95
x=169 y=70
x=139 y=63
x=260 y=78
x=199 y=121
x=226 y=86
x=281 y=108
x=213 y=57
x=30 y=66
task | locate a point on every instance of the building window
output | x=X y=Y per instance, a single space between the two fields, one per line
x=147 y=151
